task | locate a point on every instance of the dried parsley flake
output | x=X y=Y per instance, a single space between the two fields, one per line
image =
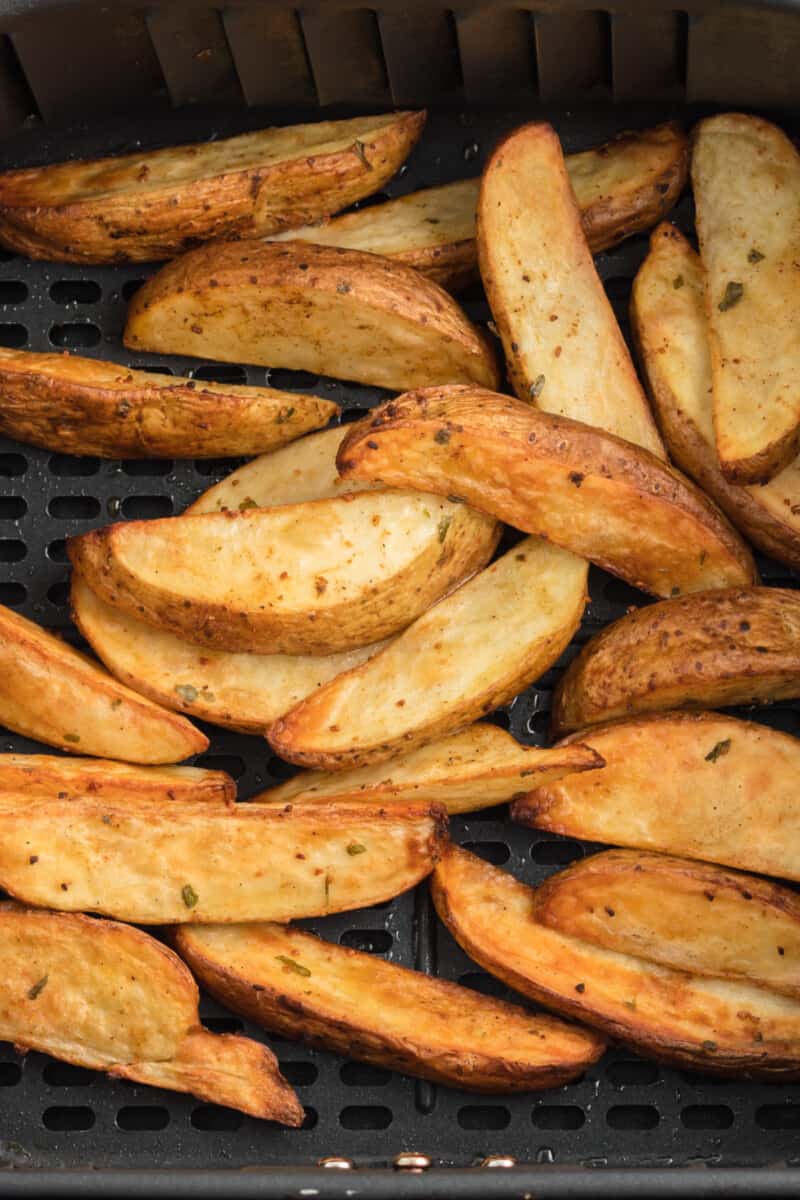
x=535 y=390
x=297 y=967
x=190 y=896
x=356 y=848
x=719 y=750
x=733 y=294
x=38 y=987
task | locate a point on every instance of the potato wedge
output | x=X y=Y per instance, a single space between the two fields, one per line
x=737 y=646
x=60 y=778
x=318 y=308
x=683 y=914
x=78 y=405
x=713 y=1025
x=313 y=578
x=729 y=795
x=153 y=204
x=746 y=177
x=669 y=321
x=564 y=348
x=471 y=652
x=621 y=188
x=53 y=693
x=481 y=766
x=159 y=863
x=245 y=692
x=377 y=1012
x=583 y=489
x=223 y=1069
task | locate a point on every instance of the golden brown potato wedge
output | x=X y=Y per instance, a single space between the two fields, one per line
x=377 y=1012
x=471 y=652
x=318 y=308
x=564 y=348
x=61 y=778
x=246 y=692
x=312 y=578
x=53 y=693
x=621 y=188
x=715 y=650
x=157 y=863
x=683 y=914
x=746 y=178
x=583 y=489
x=81 y=406
x=728 y=794
x=151 y=205
x=713 y=1025
x=480 y=766
x=671 y=328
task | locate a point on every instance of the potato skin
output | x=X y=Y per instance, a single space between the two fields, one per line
x=708 y=650
x=141 y=222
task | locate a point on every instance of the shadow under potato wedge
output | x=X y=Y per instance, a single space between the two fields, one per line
x=581 y=488
x=708 y=650
x=156 y=863
x=52 y=692
x=153 y=204
x=75 y=405
x=315 y=578
x=335 y=312
x=299 y=986
x=671 y=330
x=712 y=1025
x=701 y=785
x=59 y=778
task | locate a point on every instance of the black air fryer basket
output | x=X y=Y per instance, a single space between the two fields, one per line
x=85 y=79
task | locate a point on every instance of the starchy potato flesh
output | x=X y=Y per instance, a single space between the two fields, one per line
x=360 y=1006
x=245 y=692
x=165 y=863
x=81 y=406
x=583 y=489
x=53 y=693
x=356 y=316
x=712 y=650
x=621 y=187
x=59 y=778
x=714 y=1025
x=312 y=578
x=468 y=654
x=671 y=328
x=480 y=766
x=564 y=349
x=153 y=204
x=728 y=794
x=683 y=914
x=746 y=178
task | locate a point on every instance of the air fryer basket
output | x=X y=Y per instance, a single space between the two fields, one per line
x=79 y=79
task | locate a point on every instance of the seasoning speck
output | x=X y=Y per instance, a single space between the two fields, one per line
x=290 y=963
x=355 y=848
x=38 y=987
x=443 y=527
x=343 y=288
x=677 y=282
x=71 y=737
x=186 y=692
x=755 y=256
x=189 y=895
x=719 y=750
x=248 y=502
x=284 y=415
x=733 y=294
x=359 y=149
x=536 y=387
x=442 y=436
x=710 y=1046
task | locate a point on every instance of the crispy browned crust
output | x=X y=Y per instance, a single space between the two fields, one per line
x=47 y=775
x=709 y=650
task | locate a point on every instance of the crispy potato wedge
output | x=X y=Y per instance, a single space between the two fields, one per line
x=564 y=348
x=81 y=406
x=151 y=205
x=60 y=778
x=746 y=178
x=159 y=863
x=53 y=693
x=621 y=188
x=471 y=652
x=736 y=646
x=713 y=1025
x=374 y=1011
x=245 y=692
x=481 y=766
x=223 y=1069
x=583 y=489
x=729 y=795
x=318 y=308
x=313 y=578
x=683 y=914
x=669 y=321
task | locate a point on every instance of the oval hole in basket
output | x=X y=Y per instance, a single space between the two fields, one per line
x=558 y=1116
x=147 y=507
x=299 y=1074
x=292 y=381
x=707 y=1116
x=73 y=466
x=356 y=1074
x=73 y=508
x=12 y=550
x=12 y=464
x=147 y=467
x=212 y=1118
x=12 y=336
x=75 y=291
x=223 y=1024
x=57 y=551
x=778 y=1116
x=12 y=507
x=58 y=593
x=556 y=854
x=633 y=1116
x=60 y=1074
x=231 y=763
x=75 y=335
x=130 y=287
x=496 y=853
x=365 y=1116
x=10 y=1074
x=62 y=1118
x=220 y=373
x=484 y=1116
x=633 y=1072
x=13 y=291
x=371 y=941
x=12 y=593
x=487 y=985
x=142 y=1118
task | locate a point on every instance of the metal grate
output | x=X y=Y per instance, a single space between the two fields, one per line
x=625 y=1111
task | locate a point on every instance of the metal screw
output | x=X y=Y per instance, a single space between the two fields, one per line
x=498 y=1160
x=337 y=1163
x=417 y=1163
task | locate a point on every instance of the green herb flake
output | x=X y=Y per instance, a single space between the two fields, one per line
x=442 y=436
x=356 y=848
x=343 y=288
x=719 y=750
x=535 y=390
x=38 y=987
x=703 y=556
x=443 y=527
x=677 y=282
x=733 y=294
x=327 y=889
x=283 y=416
x=710 y=1046
x=426 y=512
x=432 y=221
x=631 y=1004
x=189 y=895
x=248 y=502
x=106 y=819
x=676 y=591
x=359 y=149
x=755 y=256
x=290 y=963
x=186 y=692
x=71 y=737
